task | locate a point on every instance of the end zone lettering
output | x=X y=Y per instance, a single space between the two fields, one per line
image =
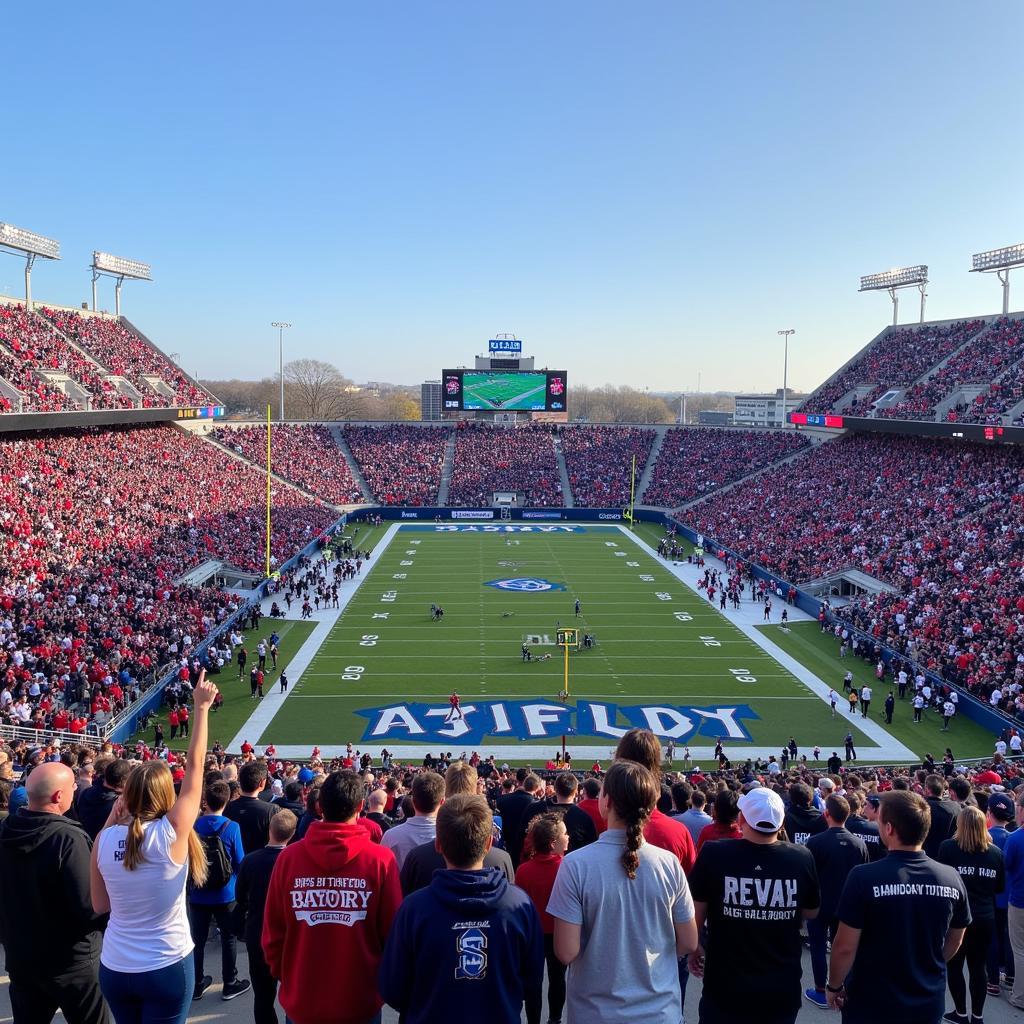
x=542 y=719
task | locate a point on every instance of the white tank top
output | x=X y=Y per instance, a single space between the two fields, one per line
x=148 y=927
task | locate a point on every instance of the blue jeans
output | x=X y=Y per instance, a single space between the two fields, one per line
x=150 y=997
x=819 y=931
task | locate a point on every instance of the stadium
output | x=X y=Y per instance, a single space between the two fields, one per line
x=831 y=600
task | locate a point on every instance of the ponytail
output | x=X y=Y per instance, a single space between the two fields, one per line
x=198 y=865
x=632 y=790
x=634 y=837
x=133 y=844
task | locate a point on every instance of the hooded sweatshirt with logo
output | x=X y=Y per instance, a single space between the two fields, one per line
x=331 y=901
x=468 y=947
x=46 y=918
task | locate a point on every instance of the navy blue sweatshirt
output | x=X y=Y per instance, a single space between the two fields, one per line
x=467 y=947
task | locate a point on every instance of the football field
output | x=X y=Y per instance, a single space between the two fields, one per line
x=504 y=390
x=663 y=657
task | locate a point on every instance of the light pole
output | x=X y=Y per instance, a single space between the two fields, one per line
x=280 y=325
x=785 y=369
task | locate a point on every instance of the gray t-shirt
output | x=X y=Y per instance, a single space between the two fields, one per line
x=627 y=968
x=695 y=822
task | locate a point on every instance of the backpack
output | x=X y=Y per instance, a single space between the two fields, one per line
x=217 y=861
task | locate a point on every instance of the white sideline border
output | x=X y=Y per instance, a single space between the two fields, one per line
x=264 y=713
x=886 y=747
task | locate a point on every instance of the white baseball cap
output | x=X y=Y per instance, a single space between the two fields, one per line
x=762 y=809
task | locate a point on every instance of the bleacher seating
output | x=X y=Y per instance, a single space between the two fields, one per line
x=897 y=359
x=694 y=461
x=304 y=454
x=599 y=461
x=489 y=459
x=401 y=464
x=124 y=353
x=982 y=360
x=95 y=526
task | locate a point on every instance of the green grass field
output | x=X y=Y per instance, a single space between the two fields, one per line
x=504 y=390
x=658 y=646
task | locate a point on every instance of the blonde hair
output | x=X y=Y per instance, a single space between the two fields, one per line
x=971 y=834
x=460 y=778
x=148 y=796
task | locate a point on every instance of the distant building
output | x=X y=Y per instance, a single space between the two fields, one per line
x=764 y=410
x=430 y=400
x=714 y=418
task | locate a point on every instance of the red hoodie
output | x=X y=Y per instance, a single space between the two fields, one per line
x=331 y=900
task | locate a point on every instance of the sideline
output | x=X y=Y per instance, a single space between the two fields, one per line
x=886 y=749
x=263 y=715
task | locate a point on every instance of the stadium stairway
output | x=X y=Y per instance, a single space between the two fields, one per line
x=353 y=465
x=757 y=472
x=446 y=470
x=652 y=458
x=563 y=473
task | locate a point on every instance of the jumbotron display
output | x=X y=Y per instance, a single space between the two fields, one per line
x=490 y=391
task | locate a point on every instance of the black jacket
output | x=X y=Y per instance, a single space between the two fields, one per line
x=94 y=807
x=47 y=922
x=578 y=824
x=251 y=893
x=512 y=809
x=943 y=826
x=253 y=817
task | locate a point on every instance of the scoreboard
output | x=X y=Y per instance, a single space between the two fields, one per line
x=504 y=391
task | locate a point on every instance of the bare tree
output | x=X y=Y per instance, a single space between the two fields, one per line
x=315 y=390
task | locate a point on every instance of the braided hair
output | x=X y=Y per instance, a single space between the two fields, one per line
x=632 y=791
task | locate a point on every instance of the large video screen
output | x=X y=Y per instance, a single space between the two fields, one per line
x=491 y=391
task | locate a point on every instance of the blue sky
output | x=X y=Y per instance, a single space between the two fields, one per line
x=641 y=192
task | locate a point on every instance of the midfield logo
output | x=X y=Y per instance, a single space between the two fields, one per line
x=525 y=585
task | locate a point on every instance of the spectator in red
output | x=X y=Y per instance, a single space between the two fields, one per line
x=353 y=905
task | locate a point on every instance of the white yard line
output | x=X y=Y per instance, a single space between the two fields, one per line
x=267 y=708
x=887 y=748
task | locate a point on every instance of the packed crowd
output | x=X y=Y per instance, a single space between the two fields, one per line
x=636 y=878
x=124 y=353
x=694 y=461
x=943 y=524
x=980 y=361
x=24 y=346
x=401 y=464
x=305 y=455
x=994 y=403
x=599 y=461
x=489 y=459
x=94 y=529
x=897 y=359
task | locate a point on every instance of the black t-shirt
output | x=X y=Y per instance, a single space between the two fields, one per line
x=836 y=853
x=903 y=905
x=754 y=894
x=983 y=876
x=803 y=822
x=835 y=765
x=868 y=831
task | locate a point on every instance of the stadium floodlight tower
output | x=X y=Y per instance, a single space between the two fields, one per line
x=1000 y=262
x=121 y=269
x=785 y=370
x=892 y=280
x=20 y=242
x=280 y=325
